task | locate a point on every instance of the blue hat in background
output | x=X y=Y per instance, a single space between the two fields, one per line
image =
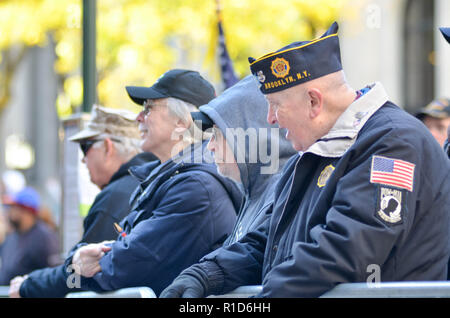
x=298 y=62
x=446 y=33
x=27 y=198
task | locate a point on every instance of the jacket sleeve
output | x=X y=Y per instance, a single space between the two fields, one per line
x=52 y=282
x=155 y=250
x=47 y=282
x=240 y=263
x=354 y=236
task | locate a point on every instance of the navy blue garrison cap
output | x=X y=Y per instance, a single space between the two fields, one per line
x=298 y=62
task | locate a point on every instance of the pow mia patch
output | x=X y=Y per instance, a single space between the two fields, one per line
x=324 y=176
x=389 y=207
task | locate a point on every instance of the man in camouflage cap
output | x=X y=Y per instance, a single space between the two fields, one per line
x=436 y=116
x=109 y=139
x=110 y=145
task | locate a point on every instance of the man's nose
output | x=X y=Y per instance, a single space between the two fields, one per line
x=140 y=117
x=210 y=145
x=271 y=116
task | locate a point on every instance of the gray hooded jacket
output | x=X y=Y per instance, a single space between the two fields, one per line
x=260 y=149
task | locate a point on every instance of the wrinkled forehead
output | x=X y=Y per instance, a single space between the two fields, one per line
x=287 y=94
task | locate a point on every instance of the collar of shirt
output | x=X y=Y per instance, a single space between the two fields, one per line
x=345 y=131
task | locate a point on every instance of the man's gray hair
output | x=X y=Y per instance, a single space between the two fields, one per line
x=126 y=147
x=182 y=110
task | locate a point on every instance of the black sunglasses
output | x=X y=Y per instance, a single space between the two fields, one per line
x=85 y=145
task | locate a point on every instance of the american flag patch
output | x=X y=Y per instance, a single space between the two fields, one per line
x=394 y=172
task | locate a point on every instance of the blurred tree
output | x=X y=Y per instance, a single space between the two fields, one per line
x=138 y=40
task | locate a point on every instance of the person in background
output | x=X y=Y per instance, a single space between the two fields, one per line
x=11 y=182
x=446 y=34
x=110 y=146
x=436 y=116
x=32 y=244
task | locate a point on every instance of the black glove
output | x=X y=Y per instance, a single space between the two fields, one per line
x=199 y=280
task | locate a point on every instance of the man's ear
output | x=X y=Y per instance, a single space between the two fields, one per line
x=181 y=126
x=109 y=147
x=316 y=102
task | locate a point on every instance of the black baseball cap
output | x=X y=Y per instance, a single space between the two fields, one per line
x=446 y=33
x=186 y=85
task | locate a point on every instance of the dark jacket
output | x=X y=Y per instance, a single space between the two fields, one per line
x=331 y=223
x=181 y=211
x=110 y=205
x=22 y=253
x=239 y=111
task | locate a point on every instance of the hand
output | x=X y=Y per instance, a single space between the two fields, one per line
x=184 y=286
x=14 y=286
x=86 y=259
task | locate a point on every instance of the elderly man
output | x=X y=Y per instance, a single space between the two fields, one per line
x=182 y=209
x=436 y=116
x=110 y=146
x=367 y=191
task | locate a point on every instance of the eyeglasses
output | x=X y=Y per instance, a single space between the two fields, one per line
x=148 y=104
x=85 y=145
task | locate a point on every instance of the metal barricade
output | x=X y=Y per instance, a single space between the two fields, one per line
x=4 y=291
x=431 y=289
x=133 y=292
x=241 y=292
x=428 y=289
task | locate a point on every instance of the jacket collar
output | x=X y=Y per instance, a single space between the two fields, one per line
x=192 y=154
x=345 y=131
x=137 y=160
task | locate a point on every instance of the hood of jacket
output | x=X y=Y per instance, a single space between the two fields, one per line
x=260 y=149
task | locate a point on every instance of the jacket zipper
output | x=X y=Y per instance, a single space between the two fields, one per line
x=284 y=208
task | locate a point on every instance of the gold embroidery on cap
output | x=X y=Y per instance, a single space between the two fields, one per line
x=280 y=67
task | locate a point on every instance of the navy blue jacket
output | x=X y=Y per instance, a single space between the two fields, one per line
x=331 y=223
x=110 y=205
x=182 y=210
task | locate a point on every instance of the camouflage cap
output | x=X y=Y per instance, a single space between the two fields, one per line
x=115 y=122
x=438 y=108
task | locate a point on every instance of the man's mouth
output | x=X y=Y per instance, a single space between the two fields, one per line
x=143 y=131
